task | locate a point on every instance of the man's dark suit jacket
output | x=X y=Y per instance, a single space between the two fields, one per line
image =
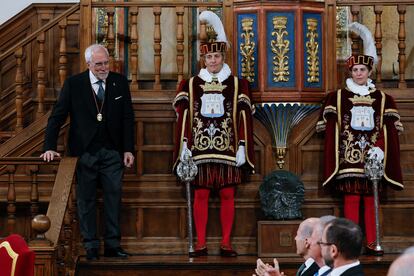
x=354 y=271
x=311 y=270
x=77 y=100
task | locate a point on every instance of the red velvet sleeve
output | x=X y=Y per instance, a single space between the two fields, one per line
x=245 y=122
x=181 y=106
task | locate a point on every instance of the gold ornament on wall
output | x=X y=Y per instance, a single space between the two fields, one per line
x=280 y=47
x=312 y=49
x=247 y=49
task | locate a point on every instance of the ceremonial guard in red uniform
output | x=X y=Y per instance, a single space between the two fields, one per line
x=214 y=124
x=357 y=119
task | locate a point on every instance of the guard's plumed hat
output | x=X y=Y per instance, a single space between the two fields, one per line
x=220 y=44
x=369 y=58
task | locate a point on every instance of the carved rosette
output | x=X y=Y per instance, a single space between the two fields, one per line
x=247 y=49
x=280 y=49
x=279 y=119
x=312 y=49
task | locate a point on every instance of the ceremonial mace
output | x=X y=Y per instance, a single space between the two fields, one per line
x=374 y=169
x=186 y=171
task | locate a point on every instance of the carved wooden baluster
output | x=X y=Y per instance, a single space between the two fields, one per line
x=68 y=235
x=19 y=88
x=11 y=200
x=355 y=38
x=110 y=37
x=34 y=192
x=63 y=60
x=134 y=49
x=378 y=43
x=157 y=47
x=401 y=45
x=180 y=44
x=41 y=82
x=75 y=227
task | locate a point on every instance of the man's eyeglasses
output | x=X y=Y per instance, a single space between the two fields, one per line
x=324 y=243
x=101 y=64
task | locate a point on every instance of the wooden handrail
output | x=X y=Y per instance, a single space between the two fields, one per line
x=372 y=2
x=48 y=245
x=26 y=160
x=46 y=27
x=163 y=4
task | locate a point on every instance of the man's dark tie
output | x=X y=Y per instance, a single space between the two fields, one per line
x=101 y=91
x=301 y=268
x=323 y=274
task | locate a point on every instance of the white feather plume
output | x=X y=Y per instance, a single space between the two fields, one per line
x=212 y=19
x=366 y=36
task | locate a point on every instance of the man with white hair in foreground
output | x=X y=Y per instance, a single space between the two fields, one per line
x=403 y=265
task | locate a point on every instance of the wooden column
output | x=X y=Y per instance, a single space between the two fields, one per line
x=110 y=37
x=18 y=54
x=34 y=191
x=63 y=60
x=134 y=49
x=401 y=45
x=41 y=83
x=157 y=48
x=331 y=66
x=180 y=43
x=355 y=39
x=11 y=200
x=228 y=22
x=86 y=28
x=378 y=43
x=202 y=36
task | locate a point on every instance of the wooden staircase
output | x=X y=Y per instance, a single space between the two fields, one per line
x=44 y=46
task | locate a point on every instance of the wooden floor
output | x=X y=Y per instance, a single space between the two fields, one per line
x=209 y=265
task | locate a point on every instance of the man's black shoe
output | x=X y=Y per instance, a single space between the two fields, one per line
x=117 y=252
x=92 y=254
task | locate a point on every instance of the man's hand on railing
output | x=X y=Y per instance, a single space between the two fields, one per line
x=49 y=155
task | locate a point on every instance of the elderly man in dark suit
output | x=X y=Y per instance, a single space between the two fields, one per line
x=101 y=135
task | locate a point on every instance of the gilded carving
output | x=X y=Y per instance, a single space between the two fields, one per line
x=280 y=47
x=247 y=49
x=312 y=49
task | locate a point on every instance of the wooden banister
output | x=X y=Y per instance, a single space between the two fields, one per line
x=59 y=213
x=59 y=198
x=33 y=36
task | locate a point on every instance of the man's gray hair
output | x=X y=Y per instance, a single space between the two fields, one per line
x=92 y=49
x=403 y=265
x=326 y=219
x=409 y=250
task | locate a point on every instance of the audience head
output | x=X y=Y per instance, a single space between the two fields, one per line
x=97 y=59
x=315 y=248
x=402 y=266
x=342 y=240
x=303 y=236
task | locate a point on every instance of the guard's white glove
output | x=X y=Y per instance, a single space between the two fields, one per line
x=184 y=150
x=240 y=156
x=377 y=153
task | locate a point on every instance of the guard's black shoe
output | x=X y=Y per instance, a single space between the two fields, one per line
x=370 y=250
x=92 y=254
x=199 y=252
x=116 y=252
x=227 y=251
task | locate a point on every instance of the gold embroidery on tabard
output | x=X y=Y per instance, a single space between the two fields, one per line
x=213 y=86
x=356 y=150
x=212 y=136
